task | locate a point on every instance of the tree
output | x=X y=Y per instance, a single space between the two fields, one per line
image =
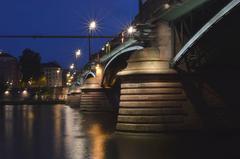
x=30 y=63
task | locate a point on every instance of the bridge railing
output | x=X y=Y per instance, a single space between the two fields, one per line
x=184 y=51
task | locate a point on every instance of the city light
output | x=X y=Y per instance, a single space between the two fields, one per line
x=58 y=71
x=131 y=30
x=78 y=53
x=30 y=82
x=98 y=71
x=92 y=25
x=72 y=66
x=6 y=92
x=25 y=93
x=166 y=5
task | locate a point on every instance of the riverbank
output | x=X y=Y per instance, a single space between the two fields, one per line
x=32 y=102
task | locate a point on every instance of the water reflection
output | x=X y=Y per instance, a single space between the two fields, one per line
x=60 y=132
x=98 y=139
x=75 y=141
x=49 y=132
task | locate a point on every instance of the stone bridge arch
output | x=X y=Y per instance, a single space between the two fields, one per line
x=88 y=75
x=119 y=61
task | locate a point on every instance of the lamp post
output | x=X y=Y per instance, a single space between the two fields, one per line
x=92 y=27
x=78 y=53
x=58 y=77
x=131 y=30
x=72 y=66
x=77 y=56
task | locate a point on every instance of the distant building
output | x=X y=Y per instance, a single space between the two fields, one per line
x=53 y=74
x=9 y=69
x=65 y=76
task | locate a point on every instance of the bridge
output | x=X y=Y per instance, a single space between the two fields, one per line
x=170 y=75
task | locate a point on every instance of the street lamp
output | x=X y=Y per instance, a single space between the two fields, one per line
x=72 y=66
x=92 y=26
x=166 y=6
x=58 y=77
x=6 y=92
x=131 y=30
x=78 y=53
x=25 y=93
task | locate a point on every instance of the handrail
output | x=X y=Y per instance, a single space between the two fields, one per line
x=203 y=30
x=117 y=50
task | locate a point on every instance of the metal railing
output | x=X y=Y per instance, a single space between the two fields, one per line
x=203 y=30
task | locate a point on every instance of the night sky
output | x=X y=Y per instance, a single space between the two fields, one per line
x=61 y=17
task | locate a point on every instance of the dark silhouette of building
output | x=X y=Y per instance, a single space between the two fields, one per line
x=9 y=69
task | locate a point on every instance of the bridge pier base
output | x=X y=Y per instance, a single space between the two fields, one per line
x=73 y=100
x=152 y=98
x=93 y=98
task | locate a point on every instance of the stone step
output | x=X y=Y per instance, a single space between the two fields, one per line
x=98 y=106
x=152 y=91
x=92 y=98
x=150 y=104
x=174 y=97
x=92 y=102
x=152 y=85
x=147 y=111
x=95 y=109
x=150 y=119
x=138 y=128
x=94 y=93
x=92 y=89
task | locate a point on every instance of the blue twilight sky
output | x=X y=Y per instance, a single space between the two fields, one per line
x=61 y=17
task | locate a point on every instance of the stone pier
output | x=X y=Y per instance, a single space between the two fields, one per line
x=152 y=97
x=93 y=97
x=73 y=99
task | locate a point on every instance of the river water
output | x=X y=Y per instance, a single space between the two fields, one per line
x=60 y=132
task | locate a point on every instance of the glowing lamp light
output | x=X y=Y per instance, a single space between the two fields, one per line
x=92 y=25
x=25 y=93
x=166 y=6
x=98 y=70
x=58 y=71
x=131 y=30
x=72 y=66
x=78 y=53
x=6 y=93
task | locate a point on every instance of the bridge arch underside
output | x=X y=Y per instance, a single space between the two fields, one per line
x=113 y=67
x=110 y=80
x=210 y=73
x=89 y=75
